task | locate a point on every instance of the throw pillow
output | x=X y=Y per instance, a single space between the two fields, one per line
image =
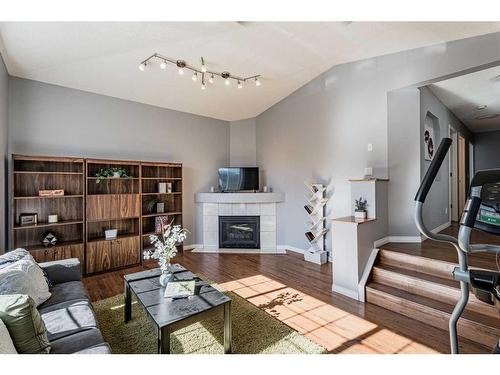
x=13 y=256
x=6 y=344
x=24 y=277
x=26 y=327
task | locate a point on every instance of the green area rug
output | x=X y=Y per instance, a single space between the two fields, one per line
x=254 y=332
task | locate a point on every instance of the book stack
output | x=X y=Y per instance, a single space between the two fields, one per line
x=316 y=229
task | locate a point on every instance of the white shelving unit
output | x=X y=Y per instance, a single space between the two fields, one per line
x=316 y=229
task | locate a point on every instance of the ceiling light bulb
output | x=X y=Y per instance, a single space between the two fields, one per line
x=195 y=77
x=203 y=86
x=163 y=65
x=181 y=71
x=211 y=79
x=257 y=82
x=203 y=68
x=227 y=82
x=239 y=85
x=142 y=67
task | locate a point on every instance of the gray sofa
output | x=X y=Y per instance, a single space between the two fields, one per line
x=68 y=314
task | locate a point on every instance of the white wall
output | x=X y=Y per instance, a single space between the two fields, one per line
x=242 y=147
x=4 y=79
x=52 y=120
x=321 y=131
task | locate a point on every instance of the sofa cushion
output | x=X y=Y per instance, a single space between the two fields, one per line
x=70 y=291
x=24 y=323
x=24 y=277
x=77 y=342
x=6 y=344
x=98 y=349
x=67 y=318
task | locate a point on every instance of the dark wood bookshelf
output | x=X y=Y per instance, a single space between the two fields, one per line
x=88 y=208
x=33 y=173
x=112 y=203
x=152 y=174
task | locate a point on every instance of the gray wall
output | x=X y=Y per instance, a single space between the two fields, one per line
x=487 y=150
x=437 y=200
x=242 y=147
x=4 y=79
x=51 y=120
x=321 y=131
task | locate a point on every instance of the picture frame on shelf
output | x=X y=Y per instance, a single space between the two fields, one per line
x=51 y=219
x=30 y=218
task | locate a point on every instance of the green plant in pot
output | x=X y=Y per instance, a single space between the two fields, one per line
x=114 y=172
x=360 y=208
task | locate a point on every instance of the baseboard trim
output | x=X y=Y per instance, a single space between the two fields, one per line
x=193 y=246
x=401 y=239
x=366 y=274
x=441 y=227
x=346 y=292
x=291 y=248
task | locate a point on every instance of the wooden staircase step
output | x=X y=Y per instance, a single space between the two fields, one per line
x=421 y=264
x=429 y=286
x=474 y=326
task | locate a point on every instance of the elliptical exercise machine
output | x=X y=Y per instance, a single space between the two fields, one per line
x=482 y=211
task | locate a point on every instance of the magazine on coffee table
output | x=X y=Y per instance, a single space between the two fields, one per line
x=179 y=289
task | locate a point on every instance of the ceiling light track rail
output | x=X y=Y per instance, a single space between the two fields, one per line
x=182 y=65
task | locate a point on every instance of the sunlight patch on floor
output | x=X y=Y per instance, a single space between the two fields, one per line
x=335 y=329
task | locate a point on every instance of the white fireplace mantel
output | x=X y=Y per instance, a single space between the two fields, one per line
x=239 y=197
x=263 y=205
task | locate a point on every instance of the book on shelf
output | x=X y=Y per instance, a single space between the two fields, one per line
x=179 y=289
x=313 y=238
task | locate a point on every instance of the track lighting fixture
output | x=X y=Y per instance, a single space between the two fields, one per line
x=202 y=70
x=203 y=66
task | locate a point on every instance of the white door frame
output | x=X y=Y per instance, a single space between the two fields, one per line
x=453 y=176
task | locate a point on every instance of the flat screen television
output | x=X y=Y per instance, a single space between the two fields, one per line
x=233 y=179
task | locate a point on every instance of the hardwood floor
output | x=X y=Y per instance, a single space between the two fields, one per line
x=299 y=294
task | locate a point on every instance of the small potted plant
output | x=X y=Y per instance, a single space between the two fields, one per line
x=360 y=208
x=114 y=172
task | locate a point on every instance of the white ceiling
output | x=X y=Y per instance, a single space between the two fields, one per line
x=464 y=94
x=103 y=57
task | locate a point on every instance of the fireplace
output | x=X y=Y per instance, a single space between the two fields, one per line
x=239 y=232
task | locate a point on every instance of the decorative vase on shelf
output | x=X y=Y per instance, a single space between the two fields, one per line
x=165 y=248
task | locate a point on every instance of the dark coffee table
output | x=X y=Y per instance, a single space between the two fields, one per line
x=171 y=314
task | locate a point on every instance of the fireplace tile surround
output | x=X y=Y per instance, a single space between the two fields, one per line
x=263 y=205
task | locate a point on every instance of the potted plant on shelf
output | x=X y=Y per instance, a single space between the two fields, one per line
x=113 y=172
x=360 y=208
x=165 y=248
